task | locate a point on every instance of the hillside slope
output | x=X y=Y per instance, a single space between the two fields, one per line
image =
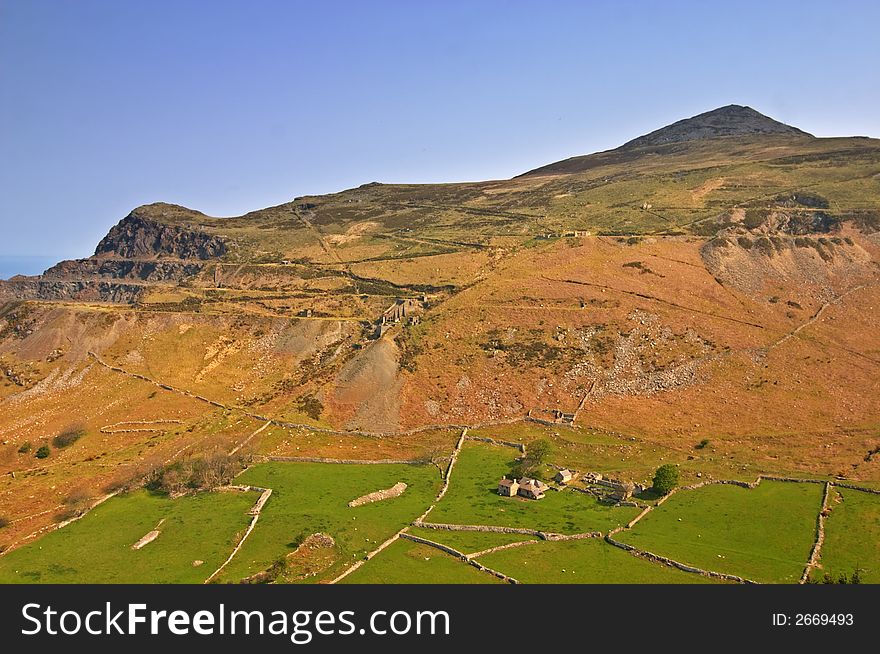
x=722 y=287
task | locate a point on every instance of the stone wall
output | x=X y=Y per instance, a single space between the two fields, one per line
x=494 y=441
x=317 y=459
x=139 y=426
x=378 y=496
x=484 y=528
x=265 y=493
x=454 y=552
x=498 y=548
x=650 y=556
x=820 y=536
x=875 y=491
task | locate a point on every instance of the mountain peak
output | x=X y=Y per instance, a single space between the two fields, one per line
x=731 y=120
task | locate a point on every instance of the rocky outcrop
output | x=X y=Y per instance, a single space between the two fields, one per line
x=138 y=251
x=148 y=271
x=747 y=261
x=37 y=288
x=138 y=237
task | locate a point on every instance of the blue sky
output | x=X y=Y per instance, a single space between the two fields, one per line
x=229 y=106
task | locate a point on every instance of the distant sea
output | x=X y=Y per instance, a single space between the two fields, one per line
x=11 y=265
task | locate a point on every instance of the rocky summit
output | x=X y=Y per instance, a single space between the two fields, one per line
x=732 y=120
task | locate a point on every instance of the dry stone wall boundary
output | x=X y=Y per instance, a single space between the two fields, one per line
x=498 y=548
x=459 y=555
x=132 y=426
x=816 y=551
x=494 y=441
x=377 y=496
x=875 y=491
x=265 y=493
x=483 y=528
x=366 y=462
x=369 y=556
x=650 y=556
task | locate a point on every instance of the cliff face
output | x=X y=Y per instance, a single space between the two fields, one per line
x=138 y=237
x=82 y=290
x=147 y=271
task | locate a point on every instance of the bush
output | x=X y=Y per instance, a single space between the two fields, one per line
x=120 y=484
x=77 y=498
x=702 y=444
x=665 y=479
x=25 y=447
x=69 y=436
x=310 y=405
x=43 y=452
x=754 y=218
x=4 y=521
x=842 y=578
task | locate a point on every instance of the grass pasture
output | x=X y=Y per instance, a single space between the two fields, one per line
x=472 y=498
x=97 y=548
x=764 y=534
x=852 y=536
x=588 y=561
x=313 y=497
x=406 y=562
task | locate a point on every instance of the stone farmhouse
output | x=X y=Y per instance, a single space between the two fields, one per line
x=532 y=488
x=508 y=487
x=525 y=487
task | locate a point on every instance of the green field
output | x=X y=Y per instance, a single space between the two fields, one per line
x=406 y=562
x=852 y=536
x=588 y=561
x=313 y=497
x=472 y=498
x=97 y=548
x=764 y=534
x=468 y=542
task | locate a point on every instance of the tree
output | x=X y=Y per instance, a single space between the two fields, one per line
x=519 y=470
x=536 y=454
x=43 y=452
x=665 y=479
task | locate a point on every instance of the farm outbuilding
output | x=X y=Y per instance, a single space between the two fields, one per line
x=622 y=491
x=564 y=476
